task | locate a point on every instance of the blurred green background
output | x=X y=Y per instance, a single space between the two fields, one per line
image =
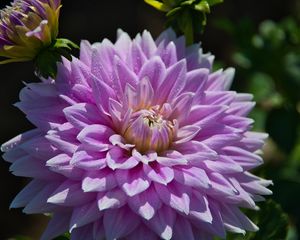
x=261 y=39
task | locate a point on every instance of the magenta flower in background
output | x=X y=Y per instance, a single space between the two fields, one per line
x=138 y=140
x=27 y=26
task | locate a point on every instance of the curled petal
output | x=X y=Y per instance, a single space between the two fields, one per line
x=117 y=159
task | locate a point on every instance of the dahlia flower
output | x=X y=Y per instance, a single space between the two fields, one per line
x=26 y=27
x=138 y=140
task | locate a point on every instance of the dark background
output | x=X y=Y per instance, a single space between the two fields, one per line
x=94 y=20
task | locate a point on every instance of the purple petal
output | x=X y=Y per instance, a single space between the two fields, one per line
x=181 y=106
x=146 y=204
x=28 y=166
x=116 y=159
x=183 y=229
x=123 y=43
x=172 y=158
x=186 y=134
x=85 y=232
x=69 y=194
x=168 y=54
x=38 y=203
x=147 y=44
x=158 y=173
x=174 y=196
x=143 y=232
x=88 y=160
x=122 y=76
x=113 y=199
x=244 y=158
x=57 y=225
x=192 y=176
x=173 y=83
x=85 y=52
x=154 y=70
x=199 y=208
x=84 y=215
x=99 y=181
x=83 y=114
x=24 y=197
x=102 y=92
x=136 y=58
x=132 y=181
x=95 y=137
x=116 y=223
x=162 y=223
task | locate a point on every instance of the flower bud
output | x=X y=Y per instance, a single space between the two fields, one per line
x=26 y=27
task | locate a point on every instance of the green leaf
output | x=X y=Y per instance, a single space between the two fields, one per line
x=46 y=62
x=158 y=5
x=186 y=17
x=47 y=58
x=65 y=43
x=173 y=12
x=187 y=2
x=186 y=26
x=202 y=6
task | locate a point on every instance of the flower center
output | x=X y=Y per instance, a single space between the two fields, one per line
x=149 y=131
